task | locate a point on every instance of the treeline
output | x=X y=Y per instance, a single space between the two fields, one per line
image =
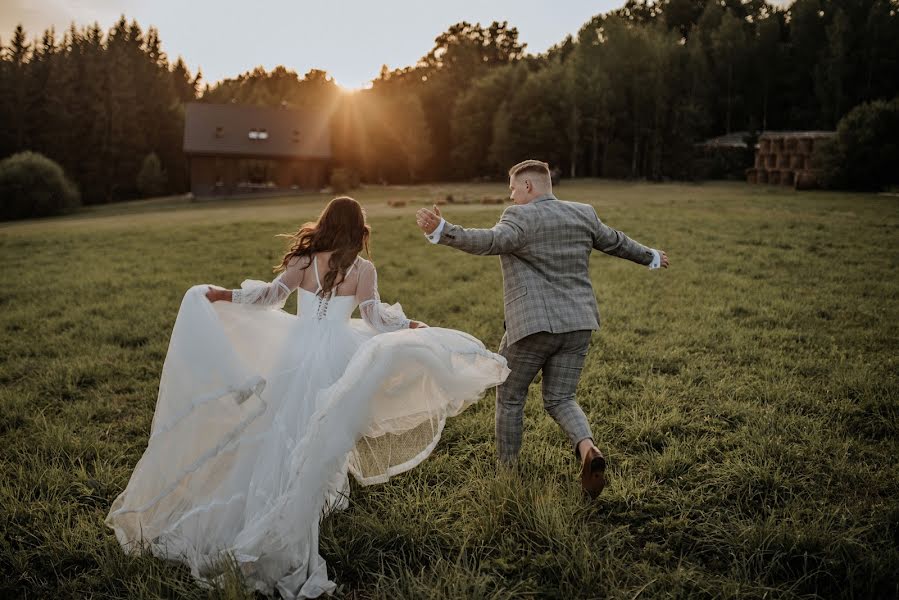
x=629 y=96
x=98 y=103
x=637 y=87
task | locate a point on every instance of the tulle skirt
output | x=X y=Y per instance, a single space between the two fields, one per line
x=260 y=418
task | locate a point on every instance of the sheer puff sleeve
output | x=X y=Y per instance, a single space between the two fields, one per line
x=272 y=295
x=378 y=315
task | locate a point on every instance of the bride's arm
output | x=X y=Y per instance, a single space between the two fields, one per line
x=273 y=294
x=378 y=315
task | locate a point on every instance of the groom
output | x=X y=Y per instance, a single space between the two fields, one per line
x=544 y=245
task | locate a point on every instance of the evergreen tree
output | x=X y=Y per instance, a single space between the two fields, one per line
x=16 y=95
x=37 y=112
x=832 y=71
x=6 y=138
x=92 y=123
x=185 y=86
x=729 y=45
x=768 y=59
x=806 y=38
x=123 y=136
x=58 y=128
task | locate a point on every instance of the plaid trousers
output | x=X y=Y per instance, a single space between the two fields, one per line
x=561 y=357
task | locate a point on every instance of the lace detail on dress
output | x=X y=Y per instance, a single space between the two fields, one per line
x=376 y=314
x=262 y=294
x=271 y=295
x=382 y=316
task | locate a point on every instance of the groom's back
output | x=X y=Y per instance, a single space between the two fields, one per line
x=546 y=282
x=559 y=237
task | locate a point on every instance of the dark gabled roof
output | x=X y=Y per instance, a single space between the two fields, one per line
x=225 y=129
x=737 y=139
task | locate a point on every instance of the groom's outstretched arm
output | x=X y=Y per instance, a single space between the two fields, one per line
x=611 y=241
x=505 y=237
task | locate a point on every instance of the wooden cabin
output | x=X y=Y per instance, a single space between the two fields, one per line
x=236 y=149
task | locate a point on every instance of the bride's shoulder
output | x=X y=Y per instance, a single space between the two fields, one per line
x=363 y=265
x=301 y=261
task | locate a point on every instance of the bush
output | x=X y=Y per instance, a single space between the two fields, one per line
x=724 y=162
x=344 y=180
x=32 y=185
x=152 y=178
x=865 y=153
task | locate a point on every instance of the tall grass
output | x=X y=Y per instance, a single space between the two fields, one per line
x=747 y=401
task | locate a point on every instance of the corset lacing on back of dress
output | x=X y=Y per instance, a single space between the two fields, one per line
x=321 y=310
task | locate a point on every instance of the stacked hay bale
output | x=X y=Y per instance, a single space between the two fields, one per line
x=787 y=158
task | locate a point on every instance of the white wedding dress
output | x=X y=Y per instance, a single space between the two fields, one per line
x=262 y=414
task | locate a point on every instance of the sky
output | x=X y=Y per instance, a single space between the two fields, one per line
x=350 y=39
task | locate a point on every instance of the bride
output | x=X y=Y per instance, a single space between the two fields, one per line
x=261 y=415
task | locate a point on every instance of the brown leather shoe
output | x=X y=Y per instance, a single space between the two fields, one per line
x=593 y=474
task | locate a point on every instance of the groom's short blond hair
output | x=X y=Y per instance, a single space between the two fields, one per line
x=537 y=168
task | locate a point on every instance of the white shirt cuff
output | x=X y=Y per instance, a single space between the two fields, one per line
x=656 y=259
x=434 y=236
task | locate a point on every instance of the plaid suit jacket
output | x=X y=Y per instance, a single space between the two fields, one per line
x=544 y=249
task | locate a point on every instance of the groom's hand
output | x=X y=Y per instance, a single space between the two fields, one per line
x=664 y=259
x=428 y=221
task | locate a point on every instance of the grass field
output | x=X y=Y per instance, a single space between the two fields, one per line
x=747 y=400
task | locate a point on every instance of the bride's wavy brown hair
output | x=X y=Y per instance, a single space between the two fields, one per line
x=340 y=229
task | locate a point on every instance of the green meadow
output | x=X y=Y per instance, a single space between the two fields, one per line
x=747 y=400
